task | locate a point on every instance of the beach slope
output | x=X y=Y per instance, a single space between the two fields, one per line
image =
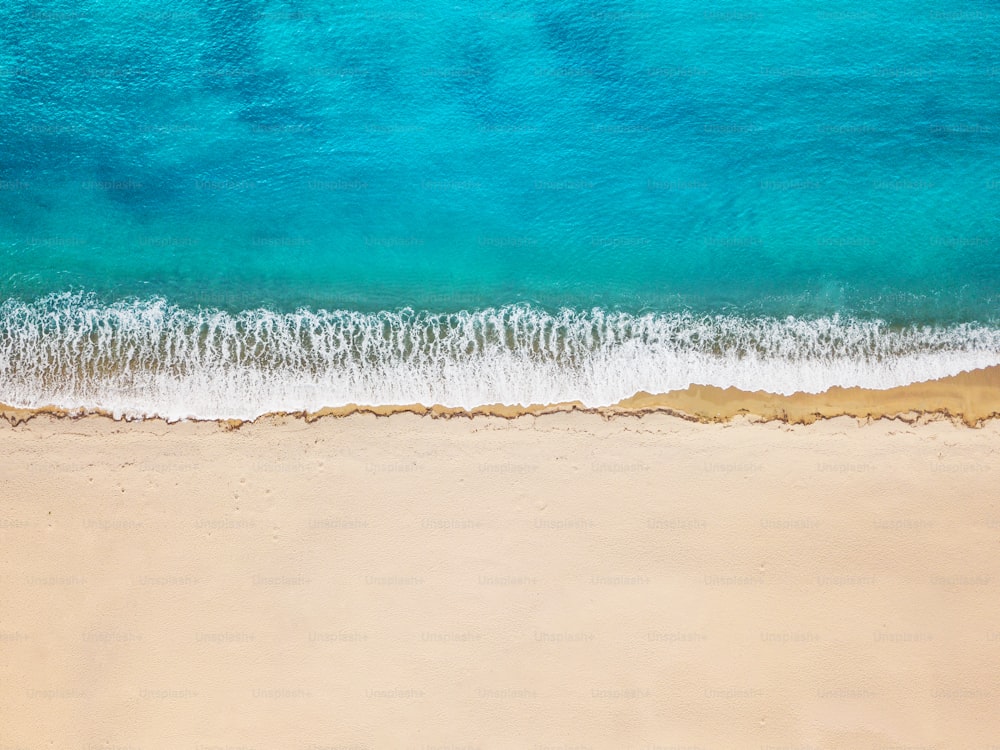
x=565 y=580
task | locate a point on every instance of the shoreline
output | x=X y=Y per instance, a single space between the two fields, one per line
x=143 y=359
x=971 y=398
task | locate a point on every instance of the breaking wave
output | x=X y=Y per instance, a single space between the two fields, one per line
x=144 y=358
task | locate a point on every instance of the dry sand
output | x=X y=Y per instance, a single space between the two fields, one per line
x=557 y=581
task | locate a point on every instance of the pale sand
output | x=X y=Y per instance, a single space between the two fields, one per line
x=558 y=581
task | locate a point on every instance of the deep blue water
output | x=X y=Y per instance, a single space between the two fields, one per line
x=336 y=164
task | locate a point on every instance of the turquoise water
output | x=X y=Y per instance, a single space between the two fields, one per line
x=230 y=207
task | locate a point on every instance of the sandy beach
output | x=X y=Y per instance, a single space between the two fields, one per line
x=566 y=580
x=499 y=375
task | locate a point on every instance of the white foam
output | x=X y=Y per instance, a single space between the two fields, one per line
x=149 y=358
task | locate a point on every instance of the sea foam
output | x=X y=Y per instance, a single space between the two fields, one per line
x=142 y=358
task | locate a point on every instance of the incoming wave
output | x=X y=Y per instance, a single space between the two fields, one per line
x=143 y=358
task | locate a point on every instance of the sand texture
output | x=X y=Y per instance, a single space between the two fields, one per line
x=558 y=581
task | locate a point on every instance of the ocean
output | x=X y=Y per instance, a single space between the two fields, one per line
x=223 y=208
